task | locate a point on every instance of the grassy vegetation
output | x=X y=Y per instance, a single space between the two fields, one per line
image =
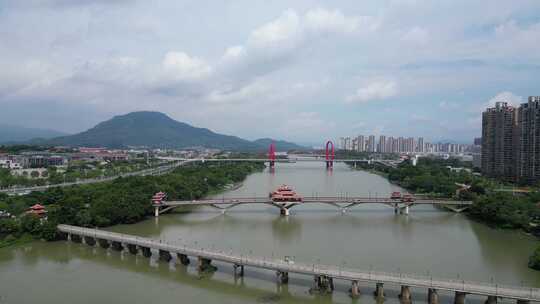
x=122 y=201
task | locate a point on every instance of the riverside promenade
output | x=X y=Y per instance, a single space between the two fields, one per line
x=323 y=275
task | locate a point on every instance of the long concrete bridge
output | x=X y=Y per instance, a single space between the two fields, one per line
x=323 y=275
x=282 y=160
x=342 y=203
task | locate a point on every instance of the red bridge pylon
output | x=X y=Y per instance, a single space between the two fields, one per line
x=330 y=154
x=272 y=155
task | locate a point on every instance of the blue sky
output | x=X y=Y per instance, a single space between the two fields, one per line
x=298 y=70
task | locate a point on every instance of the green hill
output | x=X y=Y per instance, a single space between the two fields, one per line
x=154 y=130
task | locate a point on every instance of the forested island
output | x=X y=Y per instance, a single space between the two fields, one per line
x=122 y=201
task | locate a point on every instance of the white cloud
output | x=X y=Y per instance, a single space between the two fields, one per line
x=282 y=30
x=234 y=52
x=249 y=92
x=181 y=66
x=375 y=90
x=322 y=20
x=505 y=96
x=416 y=35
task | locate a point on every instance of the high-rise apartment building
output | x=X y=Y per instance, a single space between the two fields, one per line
x=371 y=143
x=420 y=146
x=528 y=132
x=499 y=125
x=361 y=143
x=381 y=147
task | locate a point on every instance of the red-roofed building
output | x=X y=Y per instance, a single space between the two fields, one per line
x=38 y=210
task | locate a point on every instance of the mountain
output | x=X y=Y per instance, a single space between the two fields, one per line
x=153 y=129
x=281 y=145
x=13 y=134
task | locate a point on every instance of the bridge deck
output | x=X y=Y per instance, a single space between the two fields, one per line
x=488 y=289
x=313 y=200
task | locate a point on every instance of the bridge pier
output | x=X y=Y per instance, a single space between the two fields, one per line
x=523 y=301
x=156 y=211
x=62 y=236
x=323 y=284
x=103 y=243
x=90 y=241
x=355 y=291
x=433 y=296
x=284 y=211
x=146 y=252
x=184 y=260
x=459 y=297
x=491 y=300
x=283 y=277
x=132 y=248
x=75 y=238
x=205 y=265
x=405 y=294
x=379 y=291
x=405 y=210
x=164 y=255
x=117 y=246
x=238 y=270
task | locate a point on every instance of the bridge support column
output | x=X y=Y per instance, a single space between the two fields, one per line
x=405 y=210
x=459 y=297
x=491 y=300
x=184 y=260
x=238 y=270
x=379 y=291
x=405 y=294
x=90 y=241
x=132 y=248
x=62 y=236
x=117 y=246
x=76 y=238
x=205 y=265
x=355 y=292
x=523 y=302
x=284 y=212
x=433 y=296
x=283 y=277
x=103 y=243
x=156 y=211
x=164 y=255
x=323 y=284
x=146 y=252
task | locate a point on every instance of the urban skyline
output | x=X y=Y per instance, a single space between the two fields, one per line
x=391 y=144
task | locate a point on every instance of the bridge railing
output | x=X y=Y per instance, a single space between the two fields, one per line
x=338 y=272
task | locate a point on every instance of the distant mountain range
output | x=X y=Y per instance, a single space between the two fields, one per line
x=157 y=130
x=15 y=134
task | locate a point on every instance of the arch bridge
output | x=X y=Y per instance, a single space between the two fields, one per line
x=344 y=204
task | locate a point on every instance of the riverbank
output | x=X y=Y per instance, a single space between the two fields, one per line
x=496 y=209
x=122 y=201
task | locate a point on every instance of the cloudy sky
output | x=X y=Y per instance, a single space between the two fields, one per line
x=298 y=70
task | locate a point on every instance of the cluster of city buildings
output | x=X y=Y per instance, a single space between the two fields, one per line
x=384 y=144
x=35 y=163
x=44 y=159
x=511 y=141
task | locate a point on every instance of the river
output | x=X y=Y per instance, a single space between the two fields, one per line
x=427 y=241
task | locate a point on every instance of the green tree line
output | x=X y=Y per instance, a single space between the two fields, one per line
x=122 y=201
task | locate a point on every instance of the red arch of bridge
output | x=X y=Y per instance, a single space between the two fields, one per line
x=330 y=154
x=272 y=154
